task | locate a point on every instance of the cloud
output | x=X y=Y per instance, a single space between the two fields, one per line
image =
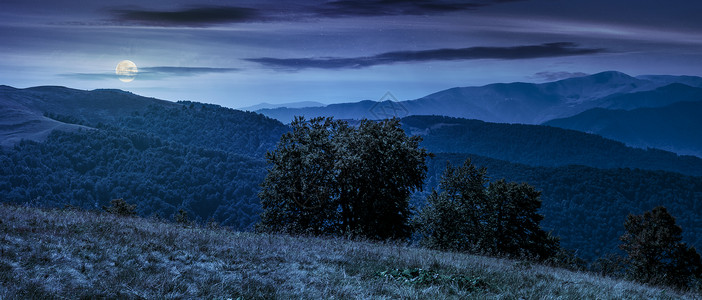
x=517 y=52
x=348 y=8
x=203 y=16
x=90 y=76
x=185 y=71
x=554 y=76
x=154 y=73
x=195 y=17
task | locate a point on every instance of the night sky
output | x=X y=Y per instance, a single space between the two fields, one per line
x=240 y=53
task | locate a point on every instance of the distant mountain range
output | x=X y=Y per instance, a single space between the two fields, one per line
x=525 y=103
x=529 y=103
x=265 y=105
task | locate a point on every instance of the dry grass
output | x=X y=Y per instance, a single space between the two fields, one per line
x=74 y=254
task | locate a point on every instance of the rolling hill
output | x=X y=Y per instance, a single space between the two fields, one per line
x=541 y=145
x=24 y=111
x=675 y=127
x=73 y=254
x=161 y=155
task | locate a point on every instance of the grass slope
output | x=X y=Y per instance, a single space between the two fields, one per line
x=74 y=254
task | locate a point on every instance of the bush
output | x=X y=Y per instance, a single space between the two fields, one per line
x=181 y=217
x=120 y=207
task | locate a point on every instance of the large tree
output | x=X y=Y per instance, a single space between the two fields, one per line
x=513 y=221
x=299 y=192
x=327 y=177
x=450 y=220
x=655 y=251
x=468 y=214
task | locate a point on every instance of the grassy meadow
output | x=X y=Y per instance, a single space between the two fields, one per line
x=57 y=254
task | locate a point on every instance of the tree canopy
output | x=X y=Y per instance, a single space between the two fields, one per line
x=656 y=253
x=327 y=177
x=468 y=214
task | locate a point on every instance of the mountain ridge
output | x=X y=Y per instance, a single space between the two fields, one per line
x=674 y=127
x=537 y=145
x=517 y=102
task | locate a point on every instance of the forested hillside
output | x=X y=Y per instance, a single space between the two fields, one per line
x=89 y=168
x=541 y=145
x=675 y=127
x=204 y=159
x=587 y=206
x=208 y=126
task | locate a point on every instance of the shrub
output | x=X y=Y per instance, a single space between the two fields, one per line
x=181 y=217
x=120 y=207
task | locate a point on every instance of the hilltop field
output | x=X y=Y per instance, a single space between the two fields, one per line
x=51 y=253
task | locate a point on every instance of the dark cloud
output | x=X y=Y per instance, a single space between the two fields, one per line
x=517 y=52
x=554 y=76
x=153 y=73
x=194 y=17
x=348 y=8
x=210 y=15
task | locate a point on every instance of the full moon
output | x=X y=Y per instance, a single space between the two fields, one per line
x=126 y=70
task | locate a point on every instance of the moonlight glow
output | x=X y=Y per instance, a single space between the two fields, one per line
x=126 y=70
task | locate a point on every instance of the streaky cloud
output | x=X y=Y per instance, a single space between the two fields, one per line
x=195 y=17
x=204 y=16
x=350 y=8
x=187 y=71
x=90 y=76
x=471 y=53
x=154 y=73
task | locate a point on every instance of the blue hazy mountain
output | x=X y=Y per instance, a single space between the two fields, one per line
x=675 y=127
x=537 y=145
x=659 y=97
x=526 y=103
x=265 y=105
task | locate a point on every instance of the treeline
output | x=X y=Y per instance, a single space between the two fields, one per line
x=87 y=169
x=586 y=206
x=540 y=145
x=207 y=126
